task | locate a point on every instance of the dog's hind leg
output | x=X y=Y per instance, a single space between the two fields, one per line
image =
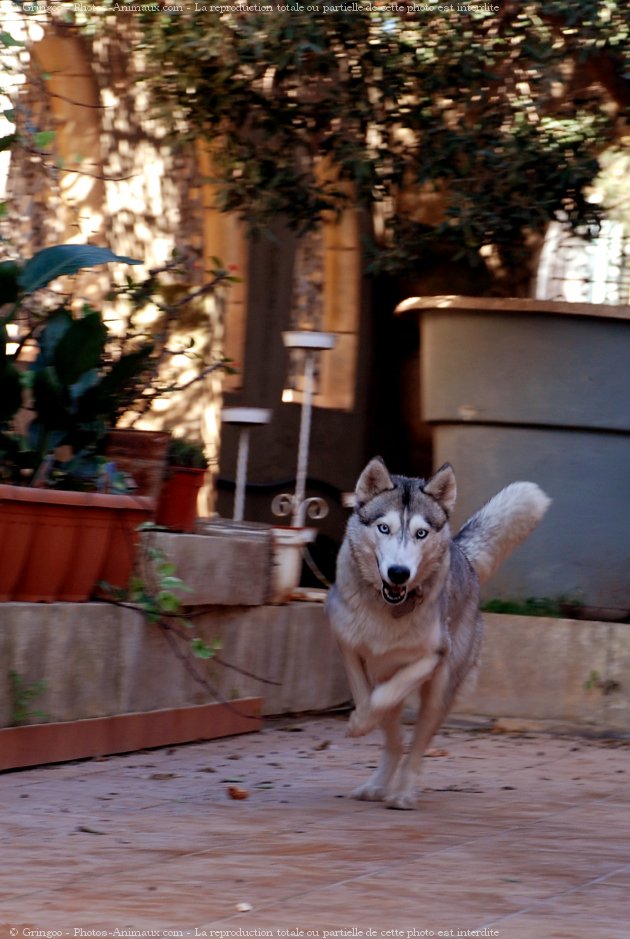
x=375 y=788
x=436 y=699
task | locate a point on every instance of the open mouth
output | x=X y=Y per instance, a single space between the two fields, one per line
x=392 y=594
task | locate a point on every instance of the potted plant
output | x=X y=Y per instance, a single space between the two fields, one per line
x=65 y=382
x=186 y=469
x=66 y=518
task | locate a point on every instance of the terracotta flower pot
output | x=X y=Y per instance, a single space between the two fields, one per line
x=141 y=454
x=57 y=545
x=177 y=504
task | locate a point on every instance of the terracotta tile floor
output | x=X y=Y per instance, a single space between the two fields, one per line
x=516 y=836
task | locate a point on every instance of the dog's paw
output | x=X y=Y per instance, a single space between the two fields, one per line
x=401 y=800
x=361 y=722
x=383 y=698
x=368 y=792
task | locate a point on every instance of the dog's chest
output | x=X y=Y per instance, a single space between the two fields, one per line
x=373 y=632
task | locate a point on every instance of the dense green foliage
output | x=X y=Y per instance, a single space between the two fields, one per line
x=495 y=120
x=71 y=389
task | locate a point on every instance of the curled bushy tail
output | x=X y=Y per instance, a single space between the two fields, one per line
x=492 y=533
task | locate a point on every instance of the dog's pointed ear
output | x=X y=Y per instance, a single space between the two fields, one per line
x=443 y=488
x=375 y=478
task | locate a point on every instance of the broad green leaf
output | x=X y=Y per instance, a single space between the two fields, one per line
x=201 y=649
x=80 y=348
x=10 y=390
x=174 y=583
x=7 y=141
x=57 y=324
x=168 y=602
x=44 y=138
x=50 y=401
x=9 y=289
x=166 y=568
x=104 y=397
x=8 y=40
x=60 y=260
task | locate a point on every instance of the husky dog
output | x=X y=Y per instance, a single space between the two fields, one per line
x=405 y=606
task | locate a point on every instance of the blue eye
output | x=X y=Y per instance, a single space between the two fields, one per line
x=383 y=528
x=422 y=533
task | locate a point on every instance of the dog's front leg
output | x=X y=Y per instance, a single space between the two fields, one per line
x=391 y=694
x=374 y=790
x=360 y=688
x=436 y=697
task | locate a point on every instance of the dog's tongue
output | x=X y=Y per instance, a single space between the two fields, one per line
x=393 y=594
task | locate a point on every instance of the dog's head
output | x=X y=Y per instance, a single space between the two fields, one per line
x=399 y=531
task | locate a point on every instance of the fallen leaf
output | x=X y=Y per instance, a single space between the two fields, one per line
x=235 y=792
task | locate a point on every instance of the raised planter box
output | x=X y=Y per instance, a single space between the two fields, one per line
x=527 y=389
x=56 y=546
x=37 y=744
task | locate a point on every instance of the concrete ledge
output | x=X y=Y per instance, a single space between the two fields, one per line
x=226 y=566
x=553 y=670
x=100 y=660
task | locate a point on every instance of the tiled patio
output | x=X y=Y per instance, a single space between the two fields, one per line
x=517 y=836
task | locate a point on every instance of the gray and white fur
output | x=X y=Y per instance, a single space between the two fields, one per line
x=405 y=605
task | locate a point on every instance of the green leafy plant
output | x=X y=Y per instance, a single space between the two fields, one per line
x=22 y=694
x=596 y=682
x=183 y=451
x=158 y=593
x=69 y=380
x=560 y=607
x=71 y=388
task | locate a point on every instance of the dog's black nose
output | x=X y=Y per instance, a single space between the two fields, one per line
x=398 y=575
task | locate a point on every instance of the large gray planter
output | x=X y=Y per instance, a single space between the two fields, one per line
x=540 y=390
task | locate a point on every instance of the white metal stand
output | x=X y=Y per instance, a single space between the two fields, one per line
x=245 y=418
x=298 y=505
